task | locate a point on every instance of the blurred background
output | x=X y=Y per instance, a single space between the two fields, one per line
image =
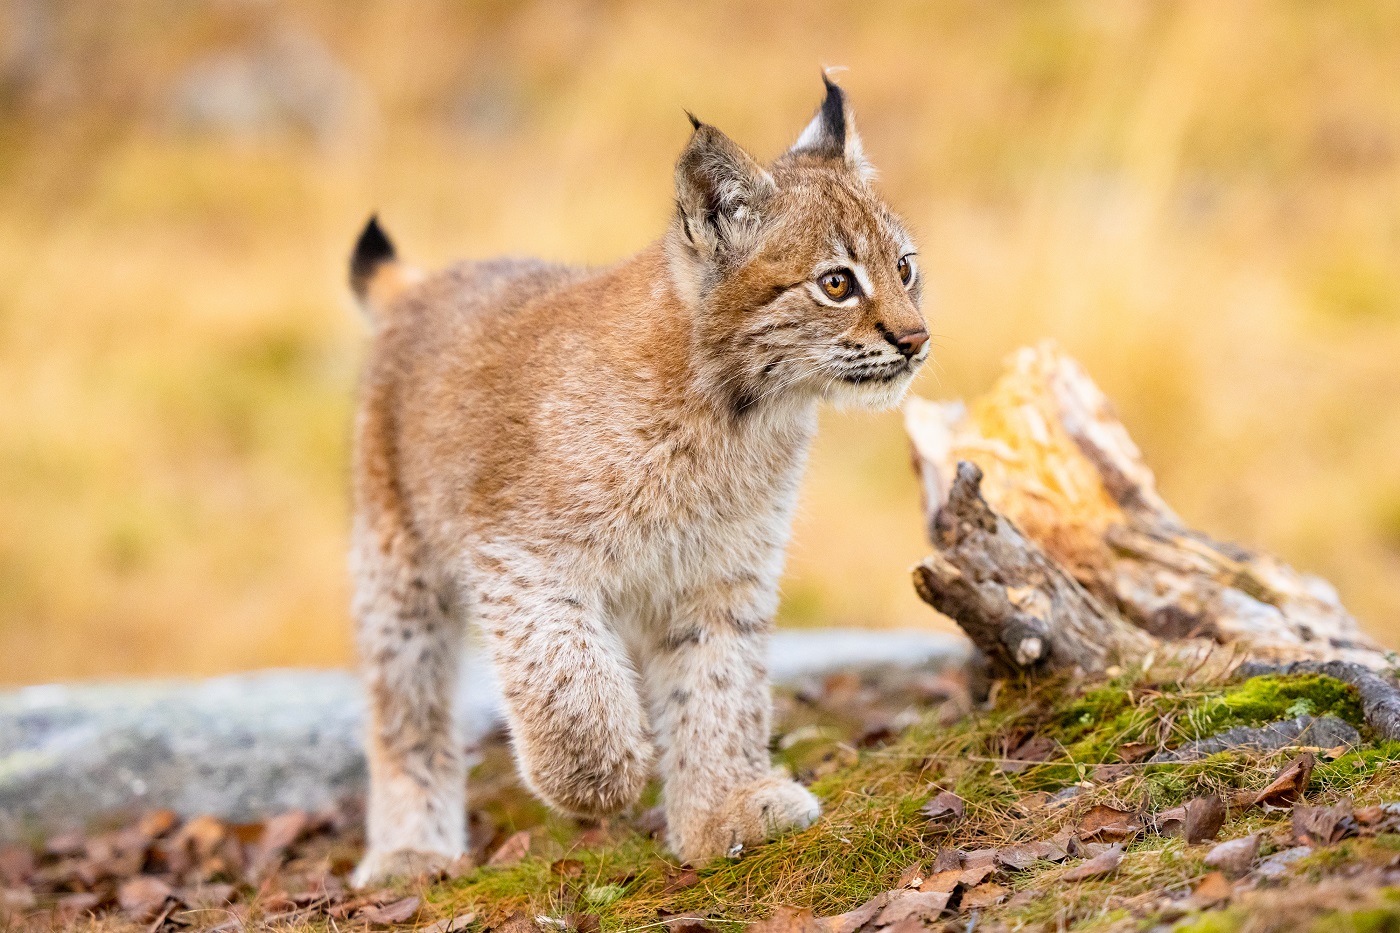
x=1200 y=200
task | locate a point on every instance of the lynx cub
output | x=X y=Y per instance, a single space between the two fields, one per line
x=599 y=467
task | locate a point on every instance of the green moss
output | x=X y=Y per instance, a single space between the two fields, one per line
x=1223 y=921
x=1262 y=700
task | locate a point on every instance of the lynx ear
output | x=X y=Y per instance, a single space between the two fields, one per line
x=832 y=133
x=720 y=190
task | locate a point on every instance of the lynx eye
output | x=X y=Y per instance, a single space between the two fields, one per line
x=905 y=267
x=839 y=285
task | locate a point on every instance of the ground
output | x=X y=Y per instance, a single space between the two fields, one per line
x=1039 y=784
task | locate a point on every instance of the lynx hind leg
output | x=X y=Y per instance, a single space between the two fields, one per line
x=708 y=687
x=572 y=701
x=410 y=646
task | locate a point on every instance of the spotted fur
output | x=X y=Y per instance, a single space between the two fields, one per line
x=599 y=468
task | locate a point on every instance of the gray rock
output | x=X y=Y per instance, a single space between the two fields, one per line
x=249 y=745
x=1318 y=731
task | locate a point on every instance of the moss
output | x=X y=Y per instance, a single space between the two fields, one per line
x=1261 y=700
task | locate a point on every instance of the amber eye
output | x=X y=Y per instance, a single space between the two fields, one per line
x=905 y=267
x=838 y=285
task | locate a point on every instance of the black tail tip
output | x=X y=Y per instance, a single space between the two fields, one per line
x=372 y=250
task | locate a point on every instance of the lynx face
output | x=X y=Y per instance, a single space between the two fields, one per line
x=808 y=284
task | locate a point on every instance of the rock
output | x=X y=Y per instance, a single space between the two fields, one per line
x=1234 y=857
x=249 y=746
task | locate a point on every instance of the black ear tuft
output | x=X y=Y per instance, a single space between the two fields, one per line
x=694 y=120
x=372 y=250
x=833 y=114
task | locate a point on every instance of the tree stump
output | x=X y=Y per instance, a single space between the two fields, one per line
x=1048 y=525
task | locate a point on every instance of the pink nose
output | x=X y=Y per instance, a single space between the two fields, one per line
x=912 y=342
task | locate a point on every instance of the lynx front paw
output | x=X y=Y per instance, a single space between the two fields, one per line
x=382 y=866
x=754 y=813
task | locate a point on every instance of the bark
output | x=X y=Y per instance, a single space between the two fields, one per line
x=1061 y=473
x=1015 y=603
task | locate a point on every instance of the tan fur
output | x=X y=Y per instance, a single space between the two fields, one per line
x=599 y=468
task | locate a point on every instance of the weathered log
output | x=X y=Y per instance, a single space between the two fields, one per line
x=1059 y=465
x=1015 y=603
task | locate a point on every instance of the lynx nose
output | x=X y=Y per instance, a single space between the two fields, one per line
x=910 y=343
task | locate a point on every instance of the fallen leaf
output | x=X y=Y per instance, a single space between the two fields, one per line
x=1050 y=849
x=1213 y=889
x=72 y=906
x=943 y=810
x=980 y=858
x=398 y=912
x=1234 y=857
x=984 y=895
x=970 y=877
x=1204 y=817
x=566 y=867
x=17 y=864
x=791 y=920
x=1109 y=823
x=1018 y=857
x=143 y=897
x=911 y=877
x=943 y=882
x=918 y=906
x=452 y=924
x=282 y=830
x=1033 y=750
x=1104 y=863
x=1135 y=751
x=1290 y=782
x=947 y=860
x=515 y=848
x=1171 y=822
x=207 y=896
x=686 y=878
x=591 y=923
x=1323 y=826
x=156 y=823
x=202 y=835
x=1107 y=774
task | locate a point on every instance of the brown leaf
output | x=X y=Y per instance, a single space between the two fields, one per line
x=943 y=882
x=912 y=876
x=791 y=920
x=848 y=922
x=1107 y=774
x=1323 y=826
x=980 y=858
x=1036 y=800
x=399 y=911
x=943 y=810
x=143 y=897
x=922 y=907
x=156 y=823
x=207 y=896
x=1051 y=849
x=984 y=895
x=1109 y=824
x=1213 y=889
x=1171 y=822
x=947 y=860
x=685 y=878
x=1135 y=751
x=283 y=830
x=1290 y=783
x=1234 y=857
x=72 y=906
x=452 y=924
x=1104 y=863
x=1035 y=749
x=567 y=867
x=1018 y=857
x=17 y=864
x=591 y=923
x=515 y=848
x=70 y=843
x=1204 y=817
x=972 y=877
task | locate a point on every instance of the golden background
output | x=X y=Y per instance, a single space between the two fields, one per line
x=1199 y=200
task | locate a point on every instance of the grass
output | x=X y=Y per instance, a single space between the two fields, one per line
x=871 y=828
x=1198 y=200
